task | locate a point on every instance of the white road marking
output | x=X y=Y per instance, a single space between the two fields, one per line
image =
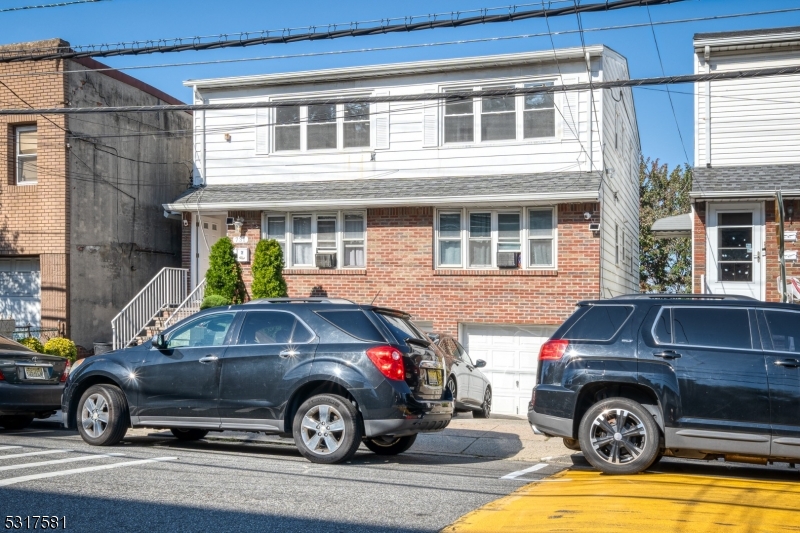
x=60 y=461
x=518 y=473
x=9 y=447
x=539 y=480
x=28 y=454
x=32 y=477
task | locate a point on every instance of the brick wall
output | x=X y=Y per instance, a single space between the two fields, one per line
x=34 y=219
x=400 y=266
x=699 y=251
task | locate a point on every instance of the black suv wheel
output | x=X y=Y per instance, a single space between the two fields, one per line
x=390 y=445
x=326 y=429
x=619 y=436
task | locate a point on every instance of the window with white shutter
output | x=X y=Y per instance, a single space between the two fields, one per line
x=430 y=122
x=262 y=131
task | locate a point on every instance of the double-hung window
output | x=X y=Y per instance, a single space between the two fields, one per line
x=356 y=125
x=450 y=239
x=459 y=121
x=509 y=228
x=303 y=235
x=498 y=117
x=287 y=128
x=321 y=129
x=26 y=148
x=480 y=239
x=539 y=114
x=541 y=238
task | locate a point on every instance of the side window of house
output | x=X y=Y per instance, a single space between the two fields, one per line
x=303 y=236
x=209 y=330
x=784 y=330
x=287 y=128
x=356 y=125
x=459 y=122
x=539 y=115
x=541 y=235
x=498 y=118
x=711 y=327
x=26 y=147
x=600 y=323
x=266 y=327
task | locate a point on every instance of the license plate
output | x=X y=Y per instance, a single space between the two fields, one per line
x=434 y=377
x=34 y=372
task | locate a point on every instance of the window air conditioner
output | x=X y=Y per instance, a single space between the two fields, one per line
x=325 y=260
x=508 y=259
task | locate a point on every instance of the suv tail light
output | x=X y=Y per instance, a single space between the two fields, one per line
x=553 y=350
x=389 y=361
x=65 y=373
x=2 y=377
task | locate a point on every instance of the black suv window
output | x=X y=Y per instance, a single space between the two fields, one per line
x=209 y=330
x=401 y=328
x=599 y=323
x=714 y=327
x=270 y=327
x=354 y=323
x=784 y=330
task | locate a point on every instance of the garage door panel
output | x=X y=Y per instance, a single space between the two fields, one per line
x=529 y=360
x=502 y=359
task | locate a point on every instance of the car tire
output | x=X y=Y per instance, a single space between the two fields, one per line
x=390 y=445
x=619 y=436
x=101 y=402
x=313 y=434
x=572 y=444
x=12 y=422
x=188 y=434
x=486 y=407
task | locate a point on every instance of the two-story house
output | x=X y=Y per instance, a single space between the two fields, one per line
x=746 y=149
x=487 y=218
x=82 y=228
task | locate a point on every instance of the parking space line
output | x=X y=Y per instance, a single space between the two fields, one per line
x=29 y=454
x=61 y=461
x=33 y=477
x=518 y=473
x=9 y=447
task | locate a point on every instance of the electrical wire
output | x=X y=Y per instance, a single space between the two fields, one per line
x=43 y=6
x=311 y=34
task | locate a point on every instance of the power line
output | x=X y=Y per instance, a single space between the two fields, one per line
x=43 y=6
x=329 y=32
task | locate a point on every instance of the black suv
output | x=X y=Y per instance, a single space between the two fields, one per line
x=635 y=378
x=329 y=372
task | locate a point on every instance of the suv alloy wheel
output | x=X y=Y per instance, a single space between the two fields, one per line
x=619 y=436
x=326 y=429
x=102 y=415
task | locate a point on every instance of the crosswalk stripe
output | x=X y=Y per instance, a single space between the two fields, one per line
x=9 y=447
x=61 y=461
x=518 y=473
x=32 y=477
x=29 y=454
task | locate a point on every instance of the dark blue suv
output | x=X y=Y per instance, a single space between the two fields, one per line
x=634 y=378
x=328 y=372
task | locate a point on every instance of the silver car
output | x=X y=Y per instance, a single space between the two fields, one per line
x=470 y=387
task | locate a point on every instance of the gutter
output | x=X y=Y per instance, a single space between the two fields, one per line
x=794 y=193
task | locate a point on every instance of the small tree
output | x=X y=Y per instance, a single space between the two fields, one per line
x=214 y=300
x=61 y=347
x=267 y=267
x=224 y=275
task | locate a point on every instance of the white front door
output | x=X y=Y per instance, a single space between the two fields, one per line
x=20 y=290
x=512 y=357
x=209 y=231
x=735 y=258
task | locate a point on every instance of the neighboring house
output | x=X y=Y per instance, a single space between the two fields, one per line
x=746 y=149
x=476 y=216
x=81 y=223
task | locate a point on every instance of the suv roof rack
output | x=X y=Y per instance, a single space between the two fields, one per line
x=683 y=297
x=301 y=300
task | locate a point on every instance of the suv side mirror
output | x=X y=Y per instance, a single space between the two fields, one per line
x=159 y=341
x=480 y=363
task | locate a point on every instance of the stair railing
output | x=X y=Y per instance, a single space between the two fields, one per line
x=167 y=289
x=189 y=306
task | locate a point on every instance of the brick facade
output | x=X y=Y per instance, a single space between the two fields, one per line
x=400 y=265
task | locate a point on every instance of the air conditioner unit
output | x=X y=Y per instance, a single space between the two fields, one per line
x=508 y=259
x=325 y=260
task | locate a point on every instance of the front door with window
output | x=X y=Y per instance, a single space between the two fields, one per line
x=209 y=231
x=735 y=251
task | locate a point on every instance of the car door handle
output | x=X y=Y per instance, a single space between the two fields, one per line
x=287 y=353
x=788 y=363
x=208 y=359
x=667 y=354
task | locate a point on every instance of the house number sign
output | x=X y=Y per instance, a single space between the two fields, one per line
x=240 y=240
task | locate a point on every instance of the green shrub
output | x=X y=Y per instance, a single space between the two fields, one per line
x=61 y=347
x=32 y=343
x=267 y=268
x=224 y=275
x=214 y=300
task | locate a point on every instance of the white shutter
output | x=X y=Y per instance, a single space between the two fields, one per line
x=430 y=122
x=262 y=130
x=381 y=122
x=569 y=112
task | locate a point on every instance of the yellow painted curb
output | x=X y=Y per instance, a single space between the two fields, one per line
x=583 y=501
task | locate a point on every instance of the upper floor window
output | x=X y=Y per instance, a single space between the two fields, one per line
x=322 y=127
x=303 y=236
x=501 y=118
x=485 y=238
x=26 y=149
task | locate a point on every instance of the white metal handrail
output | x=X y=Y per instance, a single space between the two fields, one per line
x=189 y=306
x=167 y=289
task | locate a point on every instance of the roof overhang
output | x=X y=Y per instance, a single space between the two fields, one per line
x=747 y=39
x=706 y=195
x=672 y=227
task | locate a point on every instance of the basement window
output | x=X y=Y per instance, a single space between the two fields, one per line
x=26 y=149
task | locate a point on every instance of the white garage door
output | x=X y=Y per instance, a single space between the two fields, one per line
x=512 y=355
x=20 y=290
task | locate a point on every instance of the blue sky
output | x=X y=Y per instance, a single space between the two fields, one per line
x=125 y=20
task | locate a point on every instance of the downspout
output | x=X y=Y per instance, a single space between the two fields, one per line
x=590 y=149
x=707 y=57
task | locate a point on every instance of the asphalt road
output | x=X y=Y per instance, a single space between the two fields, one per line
x=160 y=484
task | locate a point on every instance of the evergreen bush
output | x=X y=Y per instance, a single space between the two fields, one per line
x=214 y=300
x=61 y=347
x=32 y=343
x=267 y=268
x=224 y=275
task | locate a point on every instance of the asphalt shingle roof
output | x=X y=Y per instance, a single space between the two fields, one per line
x=383 y=190
x=746 y=33
x=761 y=178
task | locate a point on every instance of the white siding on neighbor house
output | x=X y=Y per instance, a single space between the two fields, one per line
x=753 y=121
x=236 y=159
